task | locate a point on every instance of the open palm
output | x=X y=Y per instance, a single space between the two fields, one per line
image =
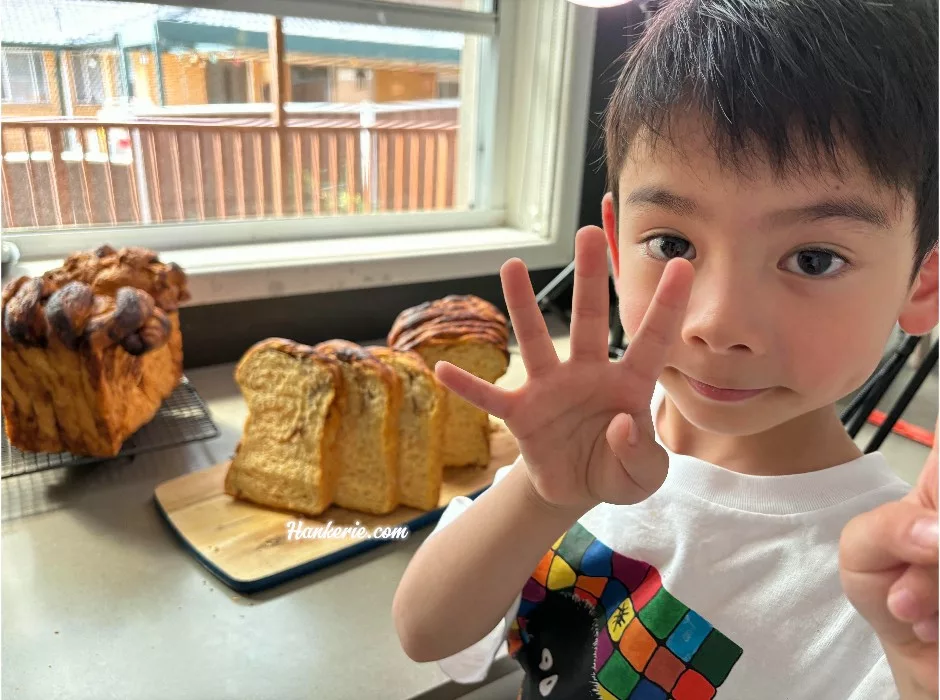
x=583 y=426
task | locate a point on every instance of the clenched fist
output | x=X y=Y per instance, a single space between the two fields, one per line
x=888 y=566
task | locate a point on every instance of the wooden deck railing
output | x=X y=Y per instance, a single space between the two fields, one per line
x=66 y=172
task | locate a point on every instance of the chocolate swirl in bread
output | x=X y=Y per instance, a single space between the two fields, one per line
x=103 y=297
x=452 y=319
x=107 y=270
x=75 y=315
x=68 y=312
x=90 y=350
x=23 y=316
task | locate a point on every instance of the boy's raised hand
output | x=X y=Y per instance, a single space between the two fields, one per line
x=584 y=426
x=888 y=564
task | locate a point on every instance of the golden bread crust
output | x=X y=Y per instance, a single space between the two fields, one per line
x=471 y=334
x=453 y=319
x=88 y=357
x=101 y=298
x=294 y=349
x=106 y=270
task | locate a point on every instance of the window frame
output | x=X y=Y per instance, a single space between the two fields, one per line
x=80 y=67
x=528 y=148
x=37 y=68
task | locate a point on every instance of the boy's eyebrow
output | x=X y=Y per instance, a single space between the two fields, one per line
x=854 y=208
x=664 y=199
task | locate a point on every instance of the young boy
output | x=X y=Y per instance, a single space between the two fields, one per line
x=693 y=521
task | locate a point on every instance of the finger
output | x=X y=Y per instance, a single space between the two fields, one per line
x=528 y=324
x=590 y=305
x=913 y=597
x=885 y=538
x=925 y=491
x=485 y=396
x=637 y=453
x=927 y=630
x=647 y=352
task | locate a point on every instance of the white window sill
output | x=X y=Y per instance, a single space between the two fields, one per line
x=222 y=274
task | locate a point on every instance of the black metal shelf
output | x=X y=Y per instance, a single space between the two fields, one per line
x=182 y=418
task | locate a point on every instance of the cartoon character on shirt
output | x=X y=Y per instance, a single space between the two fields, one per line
x=595 y=623
x=559 y=658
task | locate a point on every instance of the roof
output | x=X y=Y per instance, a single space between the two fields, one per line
x=74 y=23
x=318 y=28
x=67 y=22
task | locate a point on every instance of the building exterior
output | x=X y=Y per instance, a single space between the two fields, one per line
x=117 y=112
x=73 y=57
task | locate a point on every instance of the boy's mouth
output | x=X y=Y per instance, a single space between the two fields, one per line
x=717 y=393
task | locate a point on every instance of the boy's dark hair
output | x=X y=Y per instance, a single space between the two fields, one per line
x=787 y=80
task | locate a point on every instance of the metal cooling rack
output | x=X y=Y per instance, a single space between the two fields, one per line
x=182 y=418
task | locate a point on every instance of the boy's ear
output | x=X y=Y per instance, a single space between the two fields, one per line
x=919 y=313
x=609 y=219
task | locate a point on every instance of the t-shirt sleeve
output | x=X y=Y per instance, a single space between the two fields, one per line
x=472 y=664
x=877 y=683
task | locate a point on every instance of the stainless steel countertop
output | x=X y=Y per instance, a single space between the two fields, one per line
x=100 y=600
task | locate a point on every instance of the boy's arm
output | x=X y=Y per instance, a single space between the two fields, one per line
x=585 y=430
x=464 y=578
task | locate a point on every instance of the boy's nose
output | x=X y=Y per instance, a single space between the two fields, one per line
x=725 y=314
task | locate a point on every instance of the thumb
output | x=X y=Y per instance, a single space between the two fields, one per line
x=925 y=490
x=642 y=459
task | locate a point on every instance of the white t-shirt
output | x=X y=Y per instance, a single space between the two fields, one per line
x=720 y=585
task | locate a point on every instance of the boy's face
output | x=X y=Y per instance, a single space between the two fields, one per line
x=798 y=282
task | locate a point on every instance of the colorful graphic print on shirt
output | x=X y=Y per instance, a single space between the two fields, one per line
x=594 y=623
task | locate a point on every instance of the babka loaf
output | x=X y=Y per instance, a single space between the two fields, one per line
x=90 y=350
x=472 y=334
x=288 y=455
x=368 y=434
x=420 y=428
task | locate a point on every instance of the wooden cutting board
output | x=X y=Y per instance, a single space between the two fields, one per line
x=247 y=547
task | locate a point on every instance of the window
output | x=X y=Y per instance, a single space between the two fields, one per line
x=226 y=82
x=24 y=77
x=88 y=73
x=431 y=137
x=309 y=84
x=448 y=87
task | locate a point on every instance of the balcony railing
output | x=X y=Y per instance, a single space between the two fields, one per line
x=64 y=172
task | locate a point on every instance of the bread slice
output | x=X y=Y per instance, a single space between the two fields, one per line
x=472 y=334
x=287 y=457
x=420 y=428
x=368 y=435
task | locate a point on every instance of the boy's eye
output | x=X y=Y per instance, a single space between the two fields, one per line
x=815 y=263
x=665 y=247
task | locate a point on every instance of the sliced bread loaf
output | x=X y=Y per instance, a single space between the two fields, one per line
x=420 y=428
x=472 y=334
x=287 y=455
x=368 y=434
